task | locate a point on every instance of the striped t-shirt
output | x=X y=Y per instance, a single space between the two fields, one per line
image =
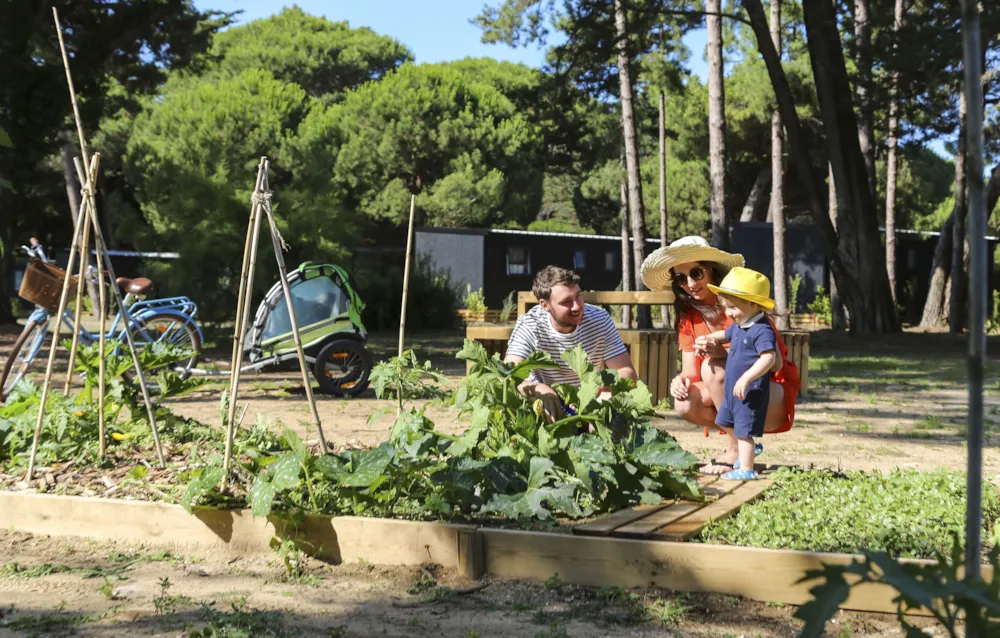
x=533 y=332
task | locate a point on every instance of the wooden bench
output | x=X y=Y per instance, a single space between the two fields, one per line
x=654 y=353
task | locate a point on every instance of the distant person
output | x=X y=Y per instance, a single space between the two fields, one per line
x=561 y=321
x=685 y=268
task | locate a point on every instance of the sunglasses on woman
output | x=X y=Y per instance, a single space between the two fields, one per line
x=695 y=274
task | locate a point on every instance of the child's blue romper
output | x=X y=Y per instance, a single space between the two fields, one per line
x=747 y=417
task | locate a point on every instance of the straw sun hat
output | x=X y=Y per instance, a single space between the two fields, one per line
x=656 y=268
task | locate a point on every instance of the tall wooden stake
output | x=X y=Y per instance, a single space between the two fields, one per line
x=103 y=300
x=243 y=313
x=99 y=237
x=283 y=277
x=406 y=274
x=55 y=338
x=78 y=311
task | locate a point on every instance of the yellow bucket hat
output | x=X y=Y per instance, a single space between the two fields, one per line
x=748 y=285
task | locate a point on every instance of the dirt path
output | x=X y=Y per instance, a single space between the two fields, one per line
x=227 y=593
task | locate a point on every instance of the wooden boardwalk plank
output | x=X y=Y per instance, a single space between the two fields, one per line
x=643 y=527
x=720 y=488
x=689 y=526
x=606 y=524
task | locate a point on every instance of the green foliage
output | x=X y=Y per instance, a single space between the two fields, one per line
x=794 y=283
x=474 y=299
x=939 y=588
x=461 y=146
x=904 y=513
x=432 y=302
x=404 y=378
x=324 y=58
x=509 y=308
x=821 y=305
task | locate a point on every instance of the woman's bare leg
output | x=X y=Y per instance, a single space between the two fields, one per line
x=698 y=407
x=777 y=414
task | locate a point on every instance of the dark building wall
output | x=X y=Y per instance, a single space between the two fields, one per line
x=600 y=270
x=460 y=255
x=804 y=254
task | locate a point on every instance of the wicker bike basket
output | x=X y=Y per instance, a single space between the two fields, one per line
x=42 y=285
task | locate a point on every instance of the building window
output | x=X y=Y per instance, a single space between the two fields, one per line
x=580 y=259
x=609 y=261
x=518 y=261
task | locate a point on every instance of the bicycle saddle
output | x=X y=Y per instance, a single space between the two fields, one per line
x=136 y=286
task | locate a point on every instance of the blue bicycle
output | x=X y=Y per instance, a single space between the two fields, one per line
x=169 y=321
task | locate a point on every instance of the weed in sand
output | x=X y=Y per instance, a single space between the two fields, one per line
x=666 y=611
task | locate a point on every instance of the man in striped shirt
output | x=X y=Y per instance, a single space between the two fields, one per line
x=561 y=321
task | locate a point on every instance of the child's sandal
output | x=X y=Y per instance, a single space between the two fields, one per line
x=740 y=475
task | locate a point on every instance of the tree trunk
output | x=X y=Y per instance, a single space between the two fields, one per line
x=664 y=225
x=863 y=87
x=73 y=195
x=959 y=286
x=777 y=196
x=993 y=191
x=717 y=125
x=892 y=167
x=626 y=258
x=855 y=255
x=837 y=319
x=757 y=207
x=636 y=210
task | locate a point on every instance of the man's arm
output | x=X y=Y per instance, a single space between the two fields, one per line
x=623 y=364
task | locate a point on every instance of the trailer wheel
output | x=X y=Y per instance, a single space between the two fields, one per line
x=342 y=368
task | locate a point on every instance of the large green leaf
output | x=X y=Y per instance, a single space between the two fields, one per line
x=657 y=454
x=473 y=351
x=261 y=495
x=536 y=361
x=469 y=440
x=295 y=444
x=209 y=480
x=284 y=473
x=365 y=466
x=589 y=379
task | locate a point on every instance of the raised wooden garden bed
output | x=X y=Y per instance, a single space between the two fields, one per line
x=479 y=316
x=758 y=574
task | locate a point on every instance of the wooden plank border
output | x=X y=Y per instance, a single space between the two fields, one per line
x=759 y=574
x=341 y=539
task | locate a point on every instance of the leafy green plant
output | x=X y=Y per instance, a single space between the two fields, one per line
x=475 y=301
x=667 y=611
x=904 y=513
x=820 y=305
x=404 y=378
x=938 y=588
x=509 y=308
x=794 y=283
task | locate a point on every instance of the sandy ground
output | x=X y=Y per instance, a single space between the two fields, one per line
x=346 y=600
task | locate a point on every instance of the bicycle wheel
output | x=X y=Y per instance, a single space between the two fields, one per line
x=22 y=356
x=342 y=368
x=171 y=330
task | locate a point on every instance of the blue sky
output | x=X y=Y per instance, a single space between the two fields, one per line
x=434 y=30
x=433 y=35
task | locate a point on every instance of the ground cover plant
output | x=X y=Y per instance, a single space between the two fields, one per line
x=902 y=513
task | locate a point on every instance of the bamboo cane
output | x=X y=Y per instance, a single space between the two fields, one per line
x=99 y=236
x=406 y=274
x=55 y=341
x=282 y=277
x=103 y=300
x=78 y=310
x=243 y=313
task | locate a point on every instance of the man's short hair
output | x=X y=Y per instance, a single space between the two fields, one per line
x=552 y=276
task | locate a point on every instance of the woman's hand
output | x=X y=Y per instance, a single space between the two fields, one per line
x=707 y=346
x=680 y=387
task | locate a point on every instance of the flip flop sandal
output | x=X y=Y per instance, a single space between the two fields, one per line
x=740 y=475
x=757 y=450
x=714 y=464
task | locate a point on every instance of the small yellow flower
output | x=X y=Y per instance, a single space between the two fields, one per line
x=538 y=407
x=118 y=436
x=79 y=413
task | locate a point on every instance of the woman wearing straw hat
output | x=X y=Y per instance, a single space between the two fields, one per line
x=686 y=268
